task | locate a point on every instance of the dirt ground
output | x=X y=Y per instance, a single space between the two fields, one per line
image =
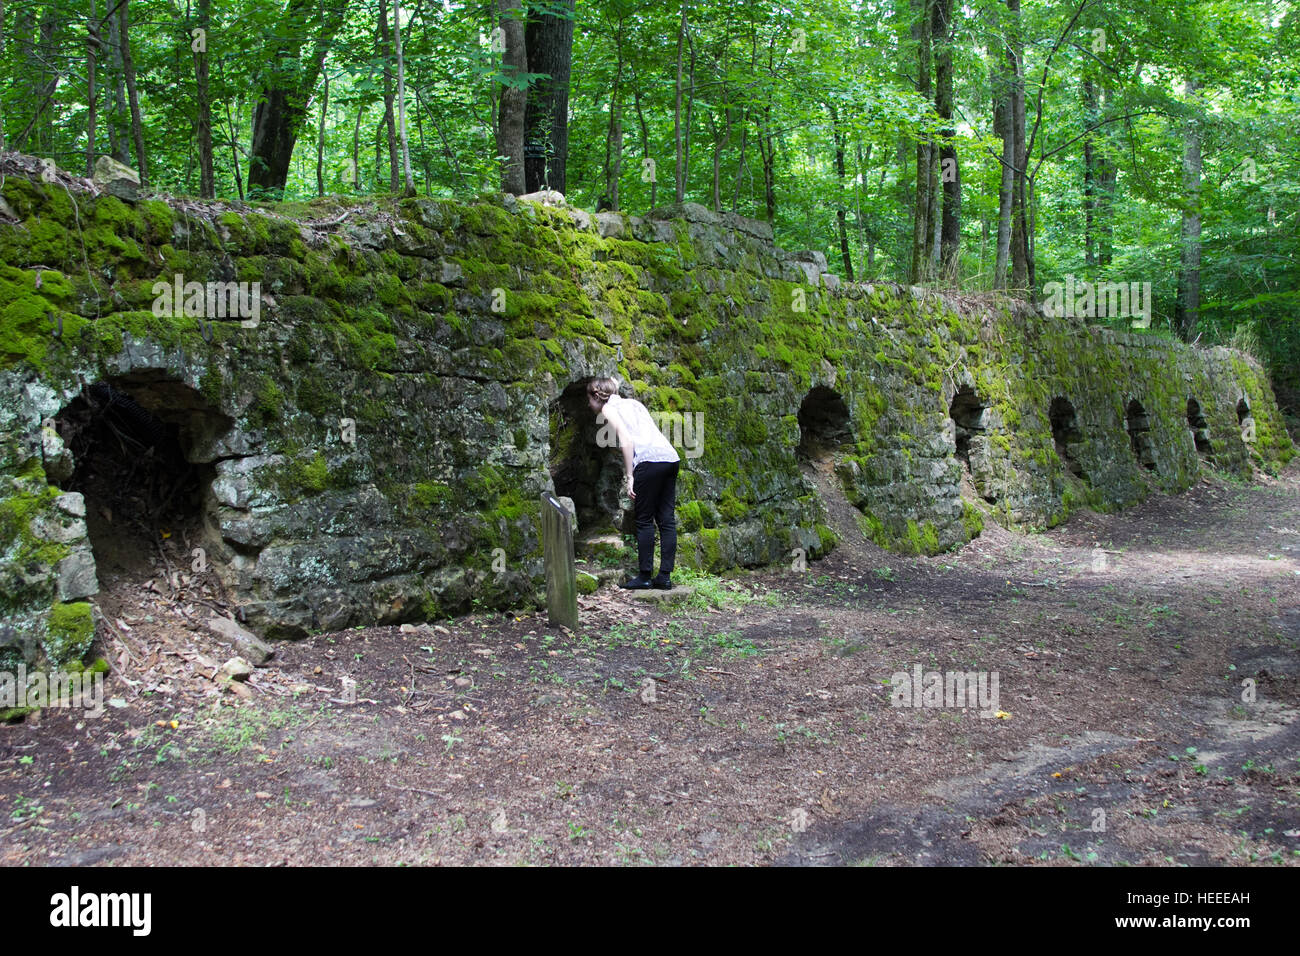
x=745 y=721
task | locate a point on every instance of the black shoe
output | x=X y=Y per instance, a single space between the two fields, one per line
x=662 y=581
x=639 y=583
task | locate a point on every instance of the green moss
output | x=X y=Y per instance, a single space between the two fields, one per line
x=431 y=496
x=710 y=545
x=827 y=538
x=731 y=507
x=971 y=520
x=688 y=516
x=69 y=632
x=298 y=476
x=28 y=498
x=269 y=405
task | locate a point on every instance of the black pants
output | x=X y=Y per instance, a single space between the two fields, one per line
x=655 y=485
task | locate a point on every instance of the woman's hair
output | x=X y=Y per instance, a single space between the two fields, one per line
x=602 y=389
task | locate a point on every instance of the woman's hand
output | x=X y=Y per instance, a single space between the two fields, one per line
x=631 y=493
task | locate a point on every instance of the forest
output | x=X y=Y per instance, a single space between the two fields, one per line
x=977 y=146
x=983 y=551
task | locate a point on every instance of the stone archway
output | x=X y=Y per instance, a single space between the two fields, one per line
x=824 y=424
x=967 y=412
x=1139 y=434
x=1067 y=435
x=1200 y=429
x=1245 y=420
x=139 y=449
x=581 y=469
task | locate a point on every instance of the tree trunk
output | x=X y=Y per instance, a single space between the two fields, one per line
x=1089 y=179
x=2 y=57
x=92 y=44
x=549 y=42
x=320 y=139
x=128 y=69
x=1002 y=126
x=514 y=98
x=390 y=122
x=922 y=225
x=1020 y=264
x=207 y=177
x=234 y=153
x=286 y=89
x=645 y=142
x=950 y=172
x=767 y=151
x=614 y=133
x=116 y=116
x=841 y=216
x=677 y=110
x=356 y=151
x=1188 y=308
x=408 y=187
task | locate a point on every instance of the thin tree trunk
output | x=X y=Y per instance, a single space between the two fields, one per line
x=950 y=172
x=514 y=99
x=614 y=133
x=424 y=150
x=1188 y=308
x=645 y=141
x=128 y=67
x=841 y=215
x=234 y=153
x=390 y=121
x=677 y=110
x=92 y=44
x=922 y=226
x=408 y=188
x=767 y=152
x=116 y=117
x=2 y=56
x=1089 y=179
x=356 y=151
x=1020 y=266
x=207 y=176
x=320 y=139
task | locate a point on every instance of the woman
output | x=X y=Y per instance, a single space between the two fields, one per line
x=651 y=464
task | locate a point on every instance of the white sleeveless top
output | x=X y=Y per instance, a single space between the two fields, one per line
x=648 y=442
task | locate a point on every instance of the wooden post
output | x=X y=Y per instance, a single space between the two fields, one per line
x=557 y=552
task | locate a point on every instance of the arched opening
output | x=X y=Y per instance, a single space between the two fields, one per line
x=1066 y=435
x=823 y=424
x=967 y=413
x=1200 y=428
x=142 y=452
x=580 y=468
x=1245 y=420
x=1139 y=435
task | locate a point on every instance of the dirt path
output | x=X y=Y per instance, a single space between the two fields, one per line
x=1121 y=643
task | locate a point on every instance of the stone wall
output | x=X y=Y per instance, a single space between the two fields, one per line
x=375 y=441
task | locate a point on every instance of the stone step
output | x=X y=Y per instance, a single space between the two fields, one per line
x=677 y=595
x=597 y=547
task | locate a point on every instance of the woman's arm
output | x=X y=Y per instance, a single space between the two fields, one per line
x=625 y=444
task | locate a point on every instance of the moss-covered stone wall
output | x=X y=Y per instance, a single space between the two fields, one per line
x=379 y=438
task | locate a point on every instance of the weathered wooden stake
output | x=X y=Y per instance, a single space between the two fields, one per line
x=557 y=552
